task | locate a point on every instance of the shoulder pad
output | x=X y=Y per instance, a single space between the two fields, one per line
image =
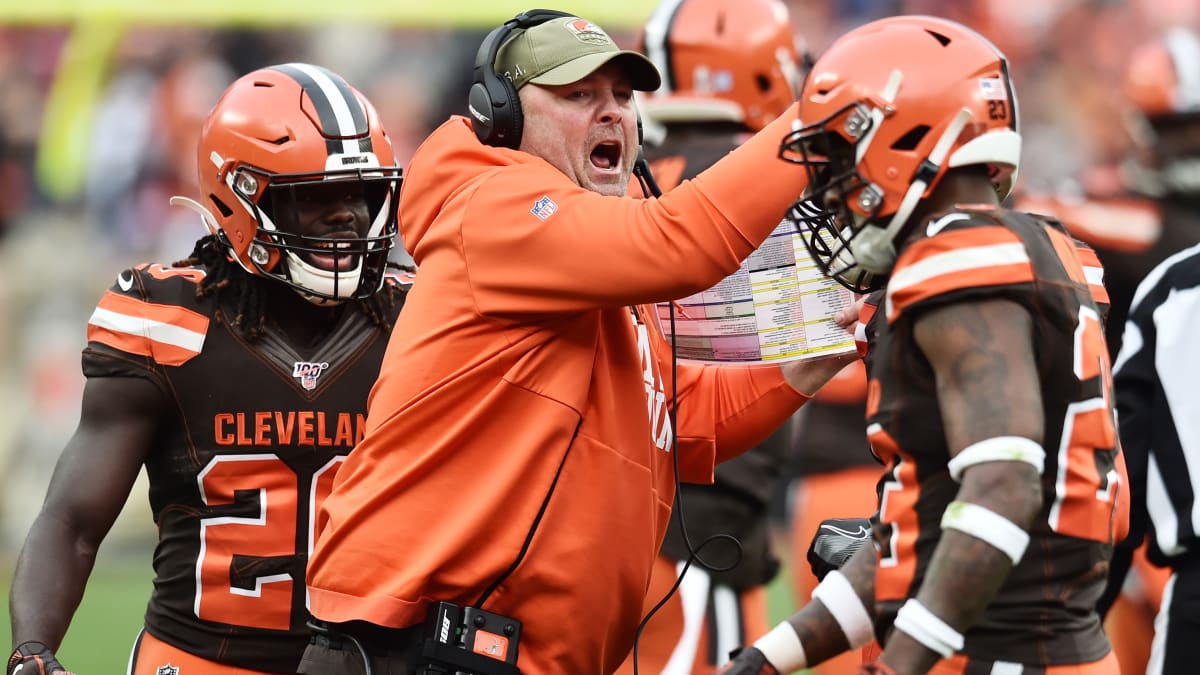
x=152 y=311
x=959 y=250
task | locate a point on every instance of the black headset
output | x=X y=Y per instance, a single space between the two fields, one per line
x=494 y=106
x=493 y=103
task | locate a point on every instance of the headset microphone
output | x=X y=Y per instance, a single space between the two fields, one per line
x=641 y=167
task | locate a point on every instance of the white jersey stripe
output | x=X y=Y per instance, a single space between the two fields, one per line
x=157 y=331
x=955 y=261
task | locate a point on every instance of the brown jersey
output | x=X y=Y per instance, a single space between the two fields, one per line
x=244 y=454
x=1044 y=612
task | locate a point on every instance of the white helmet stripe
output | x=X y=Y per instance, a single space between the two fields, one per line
x=1185 y=54
x=658 y=30
x=340 y=112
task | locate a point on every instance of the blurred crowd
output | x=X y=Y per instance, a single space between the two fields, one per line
x=97 y=131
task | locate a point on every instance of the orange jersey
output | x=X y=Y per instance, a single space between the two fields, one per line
x=518 y=453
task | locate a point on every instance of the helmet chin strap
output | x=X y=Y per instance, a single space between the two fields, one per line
x=874 y=247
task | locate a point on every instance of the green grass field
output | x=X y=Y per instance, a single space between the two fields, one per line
x=108 y=619
x=110 y=615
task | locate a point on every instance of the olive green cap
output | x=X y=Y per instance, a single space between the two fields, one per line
x=566 y=50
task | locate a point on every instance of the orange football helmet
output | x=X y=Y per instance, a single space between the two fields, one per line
x=721 y=60
x=274 y=132
x=1162 y=85
x=1162 y=76
x=888 y=109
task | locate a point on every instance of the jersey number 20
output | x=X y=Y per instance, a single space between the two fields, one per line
x=265 y=601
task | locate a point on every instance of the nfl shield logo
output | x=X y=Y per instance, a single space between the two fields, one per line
x=167 y=670
x=308 y=372
x=544 y=208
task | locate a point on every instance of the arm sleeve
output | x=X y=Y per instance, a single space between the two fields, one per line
x=583 y=250
x=724 y=410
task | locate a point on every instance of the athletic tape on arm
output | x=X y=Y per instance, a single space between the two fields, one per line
x=925 y=627
x=783 y=649
x=998 y=449
x=987 y=525
x=839 y=598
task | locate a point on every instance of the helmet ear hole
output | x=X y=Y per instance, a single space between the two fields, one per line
x=912 y=139
x=221 y=207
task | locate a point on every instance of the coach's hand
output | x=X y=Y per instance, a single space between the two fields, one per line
x=34 y=658
x=748 y=661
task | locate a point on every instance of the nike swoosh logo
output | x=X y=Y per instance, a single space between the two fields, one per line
x=937 y=225
x=861 y=533
x=18 y=668
x=124 y=283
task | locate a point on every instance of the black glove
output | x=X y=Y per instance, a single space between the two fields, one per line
x=876 y=668
x=747 y=661
x=34 y=658
x=836 y=540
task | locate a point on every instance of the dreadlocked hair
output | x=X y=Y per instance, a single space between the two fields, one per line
x=379 y=306
x=226 y=279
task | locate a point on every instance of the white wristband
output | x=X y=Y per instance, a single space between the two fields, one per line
x=998 y=449
x=985 y=524
x=925 y=627
x=839 y=598
x=782 y=648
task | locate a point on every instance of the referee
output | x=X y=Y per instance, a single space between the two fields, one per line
x=1158 y=407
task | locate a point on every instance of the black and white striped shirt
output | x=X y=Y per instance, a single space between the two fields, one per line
x=1157 y=379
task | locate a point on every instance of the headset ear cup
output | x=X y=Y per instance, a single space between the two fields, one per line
x=483 y=117
x=495 y=107
x=496 y=100
x=508 y=135
x=492 y=101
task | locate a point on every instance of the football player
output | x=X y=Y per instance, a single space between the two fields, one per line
x=1163 y=176
x=989 y=388
x=238 y=378
x=1135 y=214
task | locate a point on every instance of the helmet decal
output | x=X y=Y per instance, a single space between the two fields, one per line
x=343 y=122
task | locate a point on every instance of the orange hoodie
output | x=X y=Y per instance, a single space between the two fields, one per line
x=518 y=450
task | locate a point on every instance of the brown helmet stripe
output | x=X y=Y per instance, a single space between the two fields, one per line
x=343 y=120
